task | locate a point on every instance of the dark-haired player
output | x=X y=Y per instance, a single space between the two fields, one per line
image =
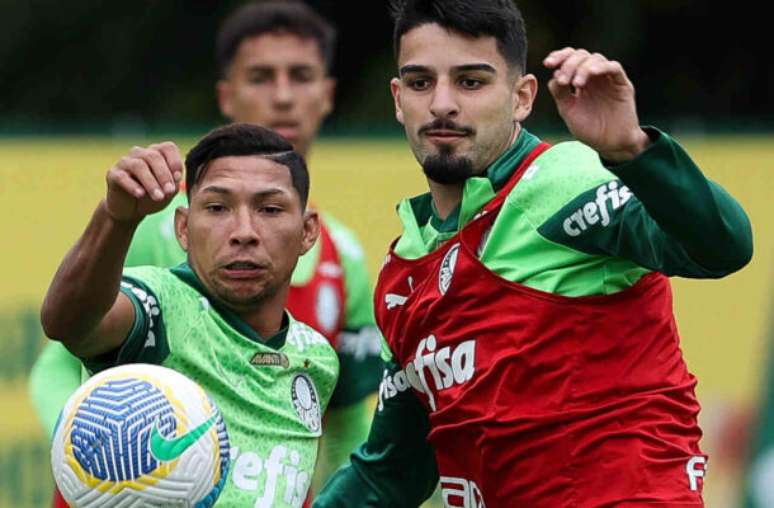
x=534 y=359
x=274 y=60
x=220 y=317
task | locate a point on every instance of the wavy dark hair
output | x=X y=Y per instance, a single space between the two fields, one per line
x=500 y=19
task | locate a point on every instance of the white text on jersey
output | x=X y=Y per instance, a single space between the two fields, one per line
x=447 y=367
x=597 y=211
x=250 y=470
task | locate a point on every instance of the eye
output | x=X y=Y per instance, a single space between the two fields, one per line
x=303 y=75
x=260 y=78
x=271 y=209
x=419 y=84
x=215 y=208
x=471 y=83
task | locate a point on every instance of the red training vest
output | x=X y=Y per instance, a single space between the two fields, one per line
x=539 y=400
x=320 y=303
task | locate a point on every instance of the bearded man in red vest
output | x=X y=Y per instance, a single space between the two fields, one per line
x=533 y=356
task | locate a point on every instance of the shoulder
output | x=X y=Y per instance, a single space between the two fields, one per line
x=156 y=286
x=305 y=338
x=149 y=275
x=557 y=177
x=345 y=240
x=161 y=224
x=154 y=242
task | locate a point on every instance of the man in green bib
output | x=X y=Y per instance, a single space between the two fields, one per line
x=275 y=62
x=220 y=317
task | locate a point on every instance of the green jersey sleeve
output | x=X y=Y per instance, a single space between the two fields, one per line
x=54 y=377
x=147 y=340
x=395 y=466
x=658 y=211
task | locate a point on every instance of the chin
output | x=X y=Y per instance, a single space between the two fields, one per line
x=242 y=296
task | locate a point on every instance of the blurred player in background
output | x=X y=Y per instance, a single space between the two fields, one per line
x=533 y=357
x=274 y=60
x=758 y=486
x=219 y=317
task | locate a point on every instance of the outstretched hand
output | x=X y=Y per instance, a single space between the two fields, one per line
x=596 y=100
x=143 y=182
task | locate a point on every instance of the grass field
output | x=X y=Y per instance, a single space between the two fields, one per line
x=48 y=189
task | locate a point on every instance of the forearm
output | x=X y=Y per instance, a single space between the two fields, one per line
x=87 y=282
x=395 y=467
x=692 y=211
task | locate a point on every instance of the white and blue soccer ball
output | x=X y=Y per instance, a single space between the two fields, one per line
x=140 y=435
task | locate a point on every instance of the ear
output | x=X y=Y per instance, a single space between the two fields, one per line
x=181 y=226
x=225 y=94
x=328 y=96
x=524 y=92
x=395 y=89
x=311 y=230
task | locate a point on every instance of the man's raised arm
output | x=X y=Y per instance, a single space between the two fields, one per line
x=84 y=308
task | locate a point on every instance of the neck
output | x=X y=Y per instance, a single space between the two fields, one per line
x=447 y=197
x=266 y=317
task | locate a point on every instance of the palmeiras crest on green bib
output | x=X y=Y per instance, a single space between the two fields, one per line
x=306 y=402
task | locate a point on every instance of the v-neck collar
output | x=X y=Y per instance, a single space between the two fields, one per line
x=185 y=273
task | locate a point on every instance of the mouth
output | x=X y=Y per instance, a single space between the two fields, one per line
x=444 y=135
x=243 y=269
x=288 y=130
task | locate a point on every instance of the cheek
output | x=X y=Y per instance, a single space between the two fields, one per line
x=203 y=239
x=313 y=108
x=495 y=121
x=252 y=98
x=411 y=110
x=286 y=243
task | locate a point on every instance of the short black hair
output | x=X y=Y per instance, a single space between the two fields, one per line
x=260 y=17
x=500 y=19
x=246 y=139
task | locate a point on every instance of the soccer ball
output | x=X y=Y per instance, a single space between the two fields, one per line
x=140 y=435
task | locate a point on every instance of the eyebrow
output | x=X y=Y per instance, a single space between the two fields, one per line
x=406 y=69
x=215 y=189
x=271 y=68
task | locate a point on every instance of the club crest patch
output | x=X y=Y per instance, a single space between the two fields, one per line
x=447 y=268
x=306 y=402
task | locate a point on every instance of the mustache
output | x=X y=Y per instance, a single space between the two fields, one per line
x=446 y=125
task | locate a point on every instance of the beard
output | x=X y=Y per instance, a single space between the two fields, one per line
x=446 y=169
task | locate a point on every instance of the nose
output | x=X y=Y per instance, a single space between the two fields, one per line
x=444 y=103
x=243 y=232
x=283 y=92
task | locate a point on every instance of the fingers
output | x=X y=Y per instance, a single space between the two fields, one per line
x=172 y=155
x=576 y=67
x=559 y=92
x=119 y=178
x=154 y=171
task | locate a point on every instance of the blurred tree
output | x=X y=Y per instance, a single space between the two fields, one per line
x=134 y=65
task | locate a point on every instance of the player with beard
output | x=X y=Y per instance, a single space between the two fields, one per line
x=533 y=357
